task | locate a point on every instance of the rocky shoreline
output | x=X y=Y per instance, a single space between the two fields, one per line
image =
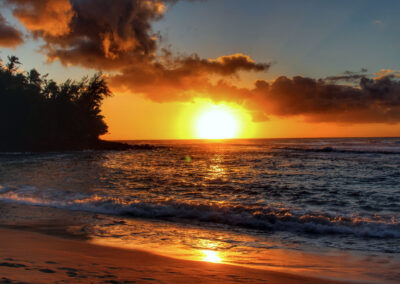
x=100 y=145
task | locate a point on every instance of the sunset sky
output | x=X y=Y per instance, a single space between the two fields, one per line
x=278 y=68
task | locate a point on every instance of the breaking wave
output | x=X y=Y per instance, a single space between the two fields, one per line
x=355 y=150
x=255 y=217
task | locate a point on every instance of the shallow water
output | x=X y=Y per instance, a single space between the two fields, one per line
x=242 y=198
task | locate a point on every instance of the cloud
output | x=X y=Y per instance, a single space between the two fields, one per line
x=9 y=36
x=122 y=41
x=387 y=73
x=99 y=34
x=372 y=101
x=314 y=100
x=78 y=32
x=181 y=78
x=117 y=36
x=44 y=17
x=224 y=65
x=348 y=76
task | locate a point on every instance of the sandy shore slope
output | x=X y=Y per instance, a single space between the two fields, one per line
x=36 y=258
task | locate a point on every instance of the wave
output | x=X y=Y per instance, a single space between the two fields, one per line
x=255 y=217
x=359 y=150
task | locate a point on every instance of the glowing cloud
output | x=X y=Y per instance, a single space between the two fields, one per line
x=45 y=17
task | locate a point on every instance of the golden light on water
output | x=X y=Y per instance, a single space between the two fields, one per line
x=217 y=123
x=211 y=256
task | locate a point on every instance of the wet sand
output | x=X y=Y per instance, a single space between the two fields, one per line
x=36 y=258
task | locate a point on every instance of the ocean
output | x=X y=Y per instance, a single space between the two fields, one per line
x=264 y=203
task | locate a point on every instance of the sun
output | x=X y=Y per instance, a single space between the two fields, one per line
x=211 y=256
x=216 y=123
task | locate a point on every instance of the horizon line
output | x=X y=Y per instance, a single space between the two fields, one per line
x=267 y=138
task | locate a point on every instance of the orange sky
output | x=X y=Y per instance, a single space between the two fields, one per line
x=283 y=70
x=131 y=117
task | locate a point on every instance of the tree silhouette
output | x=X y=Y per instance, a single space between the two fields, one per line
x=13 y=63
x=37 y=114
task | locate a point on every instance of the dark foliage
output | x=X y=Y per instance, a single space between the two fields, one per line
x=37 y=114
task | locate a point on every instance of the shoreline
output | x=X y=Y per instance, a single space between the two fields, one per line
x=34 y=257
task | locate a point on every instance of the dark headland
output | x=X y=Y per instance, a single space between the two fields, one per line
x=38 y=115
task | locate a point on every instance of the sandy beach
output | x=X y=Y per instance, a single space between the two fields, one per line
x=36 y=258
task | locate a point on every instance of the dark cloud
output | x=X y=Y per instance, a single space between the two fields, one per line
x=345 y=78
x=118 y=36
x=314 y=100
x=363 y=70
x=112 y=35
x=182 y=78
x=348 y=76
x=224 y=65
x=372 y=101
x=100 y=34
x=9 y=36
